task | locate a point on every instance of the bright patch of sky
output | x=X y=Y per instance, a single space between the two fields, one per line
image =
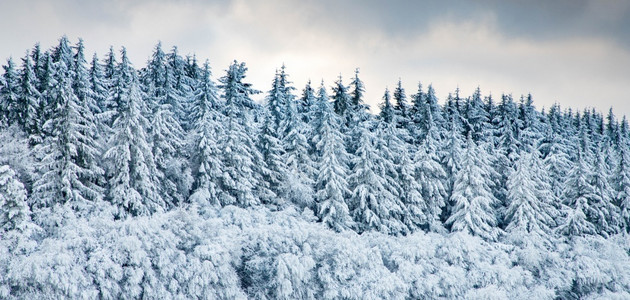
x=576 y=53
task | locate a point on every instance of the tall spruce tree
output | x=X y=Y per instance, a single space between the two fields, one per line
x=67 y=156
x=472 y=195
x=206 y=163
x=374 y=202
x=239 y=180
x=331 y=186
x=133 y=177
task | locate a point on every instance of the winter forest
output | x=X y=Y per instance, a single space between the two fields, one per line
x=170 y=181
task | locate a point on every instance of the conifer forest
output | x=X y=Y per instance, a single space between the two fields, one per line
x=170 y=181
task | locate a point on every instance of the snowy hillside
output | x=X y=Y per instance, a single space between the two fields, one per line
x=160 y=182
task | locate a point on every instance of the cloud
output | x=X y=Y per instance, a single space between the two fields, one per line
x=573 y=52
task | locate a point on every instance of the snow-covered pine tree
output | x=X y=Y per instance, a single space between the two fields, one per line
x=298 y=186
x=507 y=145
x=431 y=176
x=605 y=215
x=134 y=186
x=473 y=211
x=9 y=95
x=476 y=117
x=401 y=107
x=529 y=216
x=622 y=180
x=417 y=115
x=387 y=113
x=67 y=156
x=14 y=211
x=306 y=106
x=341 y=101
x=358 y=107
x=207 y=165
x=273 y=167
x=275 y=105
x=556 y=159
x=577 y=196
x=81 y=81
x=331 y=186
x=239 y=179
x=375 y=201
x=436 y=110
x=178 y=91
x=28 y=100
x=167 y=141
x=532 y=129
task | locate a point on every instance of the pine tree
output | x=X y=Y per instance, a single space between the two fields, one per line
x=473 y=196
x=239 y=179
x=578 y=193
x=375 y=200
x=134 y=187
x=401 y=107
x=207 y=165
x=387 y=114
x=477 y=117
x=605 y=214
x=29 y=100
x=167 y=141
x=418 y=112
x=341 y=101
x=100 y=94
x=69 y=172
x=9 y=95
x=432 y=177
x=358 y=107
x=306 y=106
x=274 y=170
x=298 y=187
x=331 y=186
x=14 y=211
x=276 y=102
x=529 y=214
x=622 y=186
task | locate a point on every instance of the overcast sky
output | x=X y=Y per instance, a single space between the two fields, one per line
x=574 y=52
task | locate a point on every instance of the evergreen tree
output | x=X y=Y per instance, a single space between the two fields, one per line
x=331 y=186
x=134 y=186
x=387 y=114
x=432 y=177
x=529 y=214
x=359 y=108
x=276 y=103
x=69 y=172
x=341 y=101
x=274 y=168
x=167 y=141
x=374 y=201
x=477 y=117
x=473 y=196
x=9 y=95
x=401 y=107
x=207 y=165
x=605 y=214
x=100 y=94
x=306 y=106
x=578 y=194
x=418 y=112
x=298 y=186
x=622 y=183
x=14 y=211
x=239 y=180
x=28 y=103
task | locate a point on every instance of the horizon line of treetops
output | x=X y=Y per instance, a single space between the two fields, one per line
x=105 y=138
